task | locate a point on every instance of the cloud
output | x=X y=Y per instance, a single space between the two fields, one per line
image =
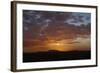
x=43 y=27
x=79 y=18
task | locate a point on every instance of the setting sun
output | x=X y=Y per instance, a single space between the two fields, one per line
x=57 y=45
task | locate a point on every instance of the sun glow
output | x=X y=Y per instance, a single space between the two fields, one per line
x=58 y=45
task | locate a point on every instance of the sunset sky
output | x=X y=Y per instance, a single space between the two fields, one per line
x=61 y=31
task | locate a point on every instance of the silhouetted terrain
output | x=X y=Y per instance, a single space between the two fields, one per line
x=53 y=55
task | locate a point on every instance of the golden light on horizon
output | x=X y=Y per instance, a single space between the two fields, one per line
x=58 y=45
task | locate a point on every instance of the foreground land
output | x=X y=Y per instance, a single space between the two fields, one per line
x=56 y=56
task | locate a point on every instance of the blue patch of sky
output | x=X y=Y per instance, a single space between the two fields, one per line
x=79 y=18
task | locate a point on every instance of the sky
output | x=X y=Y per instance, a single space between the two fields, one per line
x=52 y=30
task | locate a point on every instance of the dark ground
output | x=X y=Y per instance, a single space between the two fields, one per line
x=56 y=56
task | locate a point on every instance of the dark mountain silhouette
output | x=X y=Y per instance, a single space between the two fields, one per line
x=53 y=55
